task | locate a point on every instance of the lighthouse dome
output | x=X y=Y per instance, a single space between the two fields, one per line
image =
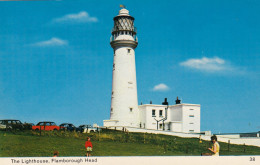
x=123 y=12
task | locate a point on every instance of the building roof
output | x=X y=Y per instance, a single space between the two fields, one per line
x=160 y=105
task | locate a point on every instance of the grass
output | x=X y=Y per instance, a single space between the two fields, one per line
x=108 y=143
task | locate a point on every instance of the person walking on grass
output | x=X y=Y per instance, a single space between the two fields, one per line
x=89 y=147
x=215 y=147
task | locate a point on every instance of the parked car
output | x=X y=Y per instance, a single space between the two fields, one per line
x=68 y=126
x=47 y=126
x=86 y=129
x=11 y=124
x=28 y=126
x=2 y=126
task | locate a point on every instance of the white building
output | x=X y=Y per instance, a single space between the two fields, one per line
x=125 y=111
x=176 y=118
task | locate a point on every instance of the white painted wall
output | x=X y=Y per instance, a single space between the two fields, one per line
x=175 y=113
x=142 y=112
x=176 y=126
x=246 y=141
x=124 y=88
x=147 y=118
x=191 y=124
x=229 y=136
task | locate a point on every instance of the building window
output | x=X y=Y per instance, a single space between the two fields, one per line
x=191 y=109
x=191 y=130
x=128 y=50
x=131 y=109
x=191 y=115
x=191 y=123
x=113 y=66
x=160 y=113
x=160 y=126
x=153 y=113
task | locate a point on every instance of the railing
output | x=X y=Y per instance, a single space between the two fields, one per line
x=112 y=38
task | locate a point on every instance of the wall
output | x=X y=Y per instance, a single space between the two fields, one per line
x=148 y=119
x=246 y=141
x=175 y=113
x=124 y=105
x=176 y=126
x=191 y=124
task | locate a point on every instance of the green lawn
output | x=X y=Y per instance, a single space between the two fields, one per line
x=31 y=143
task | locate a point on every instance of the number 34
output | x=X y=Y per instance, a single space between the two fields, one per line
x=252 y=158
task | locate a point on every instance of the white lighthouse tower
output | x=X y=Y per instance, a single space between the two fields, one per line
x=124 y=105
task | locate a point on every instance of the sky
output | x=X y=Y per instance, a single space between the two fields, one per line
x=56 y=60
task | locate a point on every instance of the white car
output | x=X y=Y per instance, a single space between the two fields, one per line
x=2 y=126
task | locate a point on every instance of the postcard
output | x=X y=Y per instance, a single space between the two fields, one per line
x=144 y=82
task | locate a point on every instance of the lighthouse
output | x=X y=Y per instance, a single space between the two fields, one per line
x=124 y=110
x=124 y=103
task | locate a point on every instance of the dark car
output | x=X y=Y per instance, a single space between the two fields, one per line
x=81 y=128
x=28 y=126
x=11 y=124
x=68 y=127
x=47 y=126
x=87 y=129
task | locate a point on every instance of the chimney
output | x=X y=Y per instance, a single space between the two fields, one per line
x=165 y=102
x=177 y=101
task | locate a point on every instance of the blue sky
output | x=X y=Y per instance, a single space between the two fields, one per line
x=56 y=60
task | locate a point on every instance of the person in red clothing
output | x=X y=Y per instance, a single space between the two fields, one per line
x=89 y=147
x=55 y=153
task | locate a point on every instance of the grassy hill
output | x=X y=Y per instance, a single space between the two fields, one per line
x=108 y=143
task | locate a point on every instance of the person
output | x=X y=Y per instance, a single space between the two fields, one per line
x=215 y=147
x=55 y=153
x=89 y=147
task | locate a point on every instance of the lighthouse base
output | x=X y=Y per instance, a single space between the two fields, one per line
x=110 y=123
x=117 y=123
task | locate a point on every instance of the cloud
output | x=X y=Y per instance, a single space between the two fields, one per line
x=81 y=17
x=214 y=65
x=161 y=87
x=207 y=64
x=52 y=42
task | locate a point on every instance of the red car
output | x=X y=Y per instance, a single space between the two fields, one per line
x=47 y=126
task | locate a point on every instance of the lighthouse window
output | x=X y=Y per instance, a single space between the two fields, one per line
x=113 y=66
x=111 y=109
x=153 y=113
x=128 y=50
x=131 y=109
